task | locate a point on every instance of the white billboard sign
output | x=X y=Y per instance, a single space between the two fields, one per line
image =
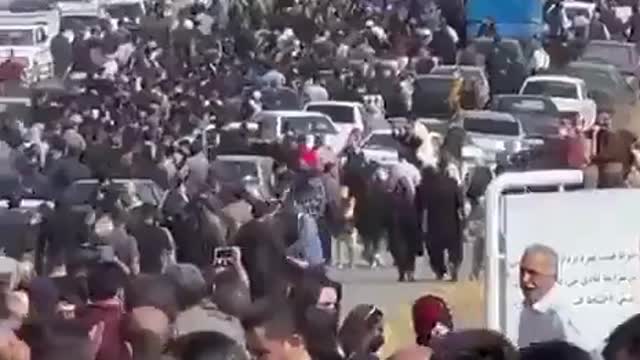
x=597 y=237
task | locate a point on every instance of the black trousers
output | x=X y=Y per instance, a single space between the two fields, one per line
x=436 y=248
x=60 y=68
x=403 y=247
x=403 y=256
x=325 y=238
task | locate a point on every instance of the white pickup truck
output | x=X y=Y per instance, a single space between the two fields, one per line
x=568 y=93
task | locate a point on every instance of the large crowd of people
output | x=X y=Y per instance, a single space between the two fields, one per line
x=216 y=269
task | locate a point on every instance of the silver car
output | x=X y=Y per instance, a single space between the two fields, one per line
x=491 y=134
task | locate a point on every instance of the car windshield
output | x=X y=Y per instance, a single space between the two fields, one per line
x=511 y=48
x=538 y=123
x=433 y=85
x=620 y=56
x=17 y=37
x=381 y=141
x=338 y=113
x=121 y=11
x=596 y=79
x=491 y=126
x=470 y=74
x=233 y=170
x=557 y=89
x=572 y=12
x=78 y=23
x=19 y=111
x=308 y=125
x=81 y=193
x=519 y=105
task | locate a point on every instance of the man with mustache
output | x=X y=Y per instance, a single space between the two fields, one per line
x=545 y=316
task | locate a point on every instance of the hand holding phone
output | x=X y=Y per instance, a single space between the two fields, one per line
x=226 y=256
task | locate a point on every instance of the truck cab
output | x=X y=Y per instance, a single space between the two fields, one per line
x=568 y=93
x=25 y=37
x=80 y=14
x=130 y=12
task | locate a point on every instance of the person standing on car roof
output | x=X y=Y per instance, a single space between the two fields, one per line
x=555 y=16
x=598 y=30
x=633 y=25
x=444 y=43
x=62 y=52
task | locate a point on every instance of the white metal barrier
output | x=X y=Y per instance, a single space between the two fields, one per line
x=493 y=254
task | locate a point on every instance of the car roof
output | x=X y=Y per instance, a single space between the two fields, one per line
x=382 y=131
x=579 y=5
x=121 y=2
x=425 y=120
x=518 y=96
x=436 y=76
x=491 y=39
x=610 y=43
x=244 y=158
x=10 y=100
x=291 y=113
x=333 y=103
x=458 y=67
x=115 y=181
x=488 y=114
x=20 y=26
x=27 y=203
x=562 y=78
x=590 y=65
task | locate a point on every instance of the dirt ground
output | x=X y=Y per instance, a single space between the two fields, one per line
x=466 y=300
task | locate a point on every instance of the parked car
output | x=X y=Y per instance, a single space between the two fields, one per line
x=430 y=97
x=606 y=85
x=537 y=114
x=492 y=131
x=623 y=55
x=80 y=193
x=273 y=125
x=347 y=116
x=570 y=94
x=380 y=146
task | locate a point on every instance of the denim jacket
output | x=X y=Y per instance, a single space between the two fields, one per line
x=308 y=246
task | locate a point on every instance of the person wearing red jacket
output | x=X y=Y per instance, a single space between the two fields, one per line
x=106 y=281
x=307 y=153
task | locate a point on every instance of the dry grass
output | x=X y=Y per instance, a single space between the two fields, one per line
x=466 y=300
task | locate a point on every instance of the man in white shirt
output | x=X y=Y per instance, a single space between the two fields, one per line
x=544 y=316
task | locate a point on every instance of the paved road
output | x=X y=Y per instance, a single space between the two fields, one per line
x=379 y=287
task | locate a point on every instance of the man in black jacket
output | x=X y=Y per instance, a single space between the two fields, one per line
x=62 y=52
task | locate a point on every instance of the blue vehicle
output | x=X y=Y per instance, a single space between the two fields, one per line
x=519 y=19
